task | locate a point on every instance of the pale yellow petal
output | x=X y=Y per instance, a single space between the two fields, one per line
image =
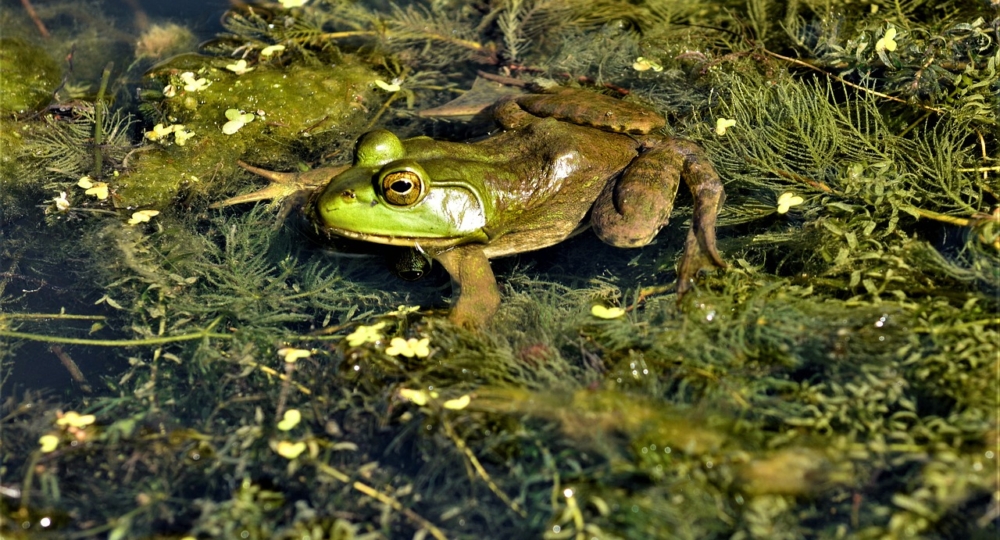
x=603 y=312
x=416 y=396
x=457 y=404
x=291 y=418
x=290 y=450
x=48 y=443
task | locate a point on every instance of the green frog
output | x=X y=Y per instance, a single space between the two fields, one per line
x=563 y=161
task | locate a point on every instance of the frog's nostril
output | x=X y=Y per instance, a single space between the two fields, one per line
x=348 y=194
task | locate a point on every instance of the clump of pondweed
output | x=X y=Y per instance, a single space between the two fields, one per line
x=810 y=341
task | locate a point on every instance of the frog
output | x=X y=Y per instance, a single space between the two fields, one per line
x=560 y=162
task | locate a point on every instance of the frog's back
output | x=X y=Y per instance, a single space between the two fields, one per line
x=555 y=172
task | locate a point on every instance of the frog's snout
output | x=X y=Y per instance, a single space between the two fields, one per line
x=348 y=194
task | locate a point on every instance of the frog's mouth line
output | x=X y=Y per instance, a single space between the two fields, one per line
x=403 y=241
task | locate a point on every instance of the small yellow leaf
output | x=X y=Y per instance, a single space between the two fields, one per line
x=603 y=312
x=365 y=334
x=99 y=190
x=181 y=136
x=722 y=124
x=646 y=64
x=788 y=200
x=240 y=67
x=142 y=216
x=288 y=4
x=48 y=443
x=193 y=84
x=159 y=131
x=457 y=404
x=887 y=42
x=237 y=119
x=416 y=396
x=404 y=310
x=232 y=126
x=290 y=450
x=75 y=419
x=409 y=347
x=85 y=182
x=271 y=49
x=388 y=87
x=291 y=418
x=293 y=355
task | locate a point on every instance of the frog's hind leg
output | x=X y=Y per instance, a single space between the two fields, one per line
x=631 y=211
x=700 y=250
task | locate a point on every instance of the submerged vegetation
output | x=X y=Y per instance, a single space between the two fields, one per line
x=233 y=378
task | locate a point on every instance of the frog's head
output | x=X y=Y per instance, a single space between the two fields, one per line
x=389 y=199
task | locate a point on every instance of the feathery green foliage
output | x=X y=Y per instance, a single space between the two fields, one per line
x=839 y=379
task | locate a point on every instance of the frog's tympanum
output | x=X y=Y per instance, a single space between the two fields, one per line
x=563 y=161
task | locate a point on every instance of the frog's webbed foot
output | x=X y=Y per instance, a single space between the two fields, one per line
x=283 y=184
x=478 y=100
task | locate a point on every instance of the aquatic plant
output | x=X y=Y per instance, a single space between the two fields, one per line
x=838 y=380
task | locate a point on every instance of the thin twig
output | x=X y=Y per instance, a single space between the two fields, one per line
x=808 y=181
x=72 y=368
x=35 y=18
x=429 y=35
x=853 y=85
x=284 y=378
x=385 y=106
x=450 y=432
x=99 y=120
x=62 y=316
x=114 y=342
x=944 y=218
x=387 y=499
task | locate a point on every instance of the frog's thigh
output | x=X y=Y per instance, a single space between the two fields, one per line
x=474 y=284
x=629 y=212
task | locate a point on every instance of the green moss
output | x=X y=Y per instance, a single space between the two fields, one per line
x=13 y=174
x=292 y=107
x=30 y=76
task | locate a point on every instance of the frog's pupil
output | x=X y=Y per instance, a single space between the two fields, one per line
x=401 y=186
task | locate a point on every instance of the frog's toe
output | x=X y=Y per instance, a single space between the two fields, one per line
x=700 y=253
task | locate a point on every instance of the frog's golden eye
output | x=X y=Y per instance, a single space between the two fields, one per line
x=402 y=188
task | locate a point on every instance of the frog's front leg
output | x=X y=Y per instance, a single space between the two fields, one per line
x=474 y=284
x=630 y=212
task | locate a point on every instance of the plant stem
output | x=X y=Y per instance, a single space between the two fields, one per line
x=115 y=342
x=99 y=119
x=35 y=18
x=852 y=85
x=394 y=503
x=63 y=316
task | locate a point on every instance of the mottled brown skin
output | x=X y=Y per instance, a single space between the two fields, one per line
x=629 y=212
x=560 y=158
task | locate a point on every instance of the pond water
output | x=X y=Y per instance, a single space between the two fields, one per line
x=176 y=366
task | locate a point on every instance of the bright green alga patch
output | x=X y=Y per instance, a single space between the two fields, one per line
x=29 y=76
x=281 y=107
